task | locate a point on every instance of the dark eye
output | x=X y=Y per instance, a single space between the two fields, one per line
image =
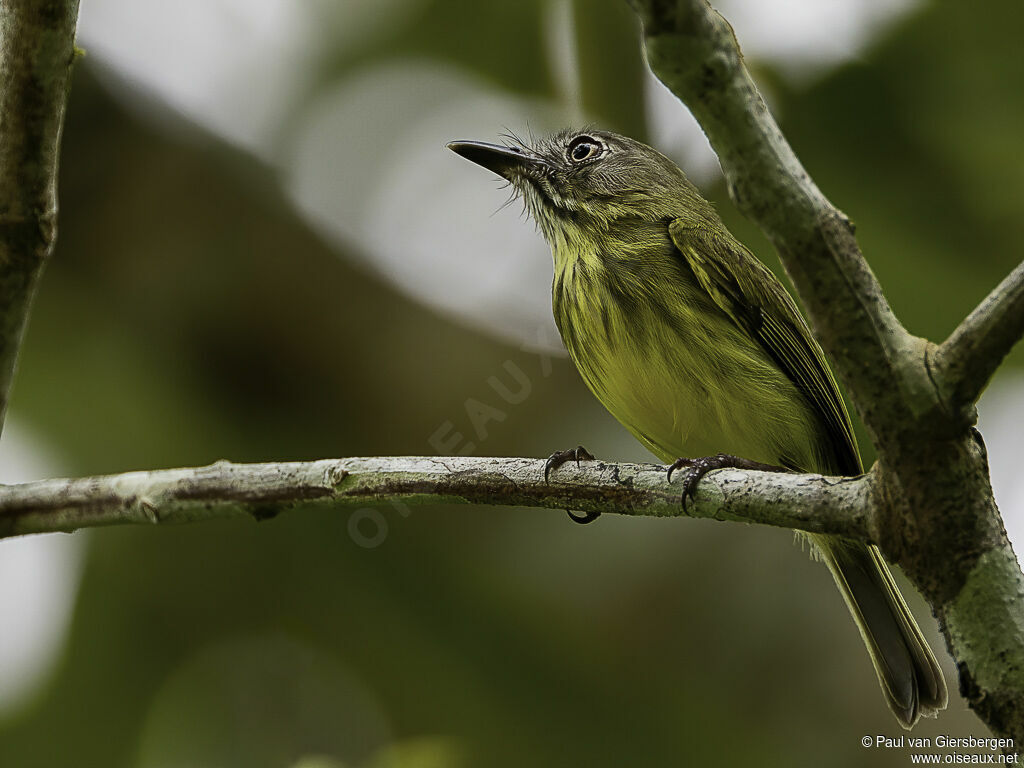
x=583 y=148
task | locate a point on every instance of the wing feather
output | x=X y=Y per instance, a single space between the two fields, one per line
x=755 y=300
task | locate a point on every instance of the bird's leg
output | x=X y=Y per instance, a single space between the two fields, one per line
x=557 y=459
x=700 y=467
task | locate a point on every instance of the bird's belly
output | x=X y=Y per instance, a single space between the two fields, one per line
x=695 y=387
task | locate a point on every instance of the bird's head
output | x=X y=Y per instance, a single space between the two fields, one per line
x=588 y=179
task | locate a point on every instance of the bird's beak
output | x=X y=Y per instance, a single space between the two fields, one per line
x=504 y=161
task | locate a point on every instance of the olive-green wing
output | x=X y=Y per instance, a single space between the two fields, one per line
x=756 y=301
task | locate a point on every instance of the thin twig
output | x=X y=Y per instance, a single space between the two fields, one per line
x=966 y=361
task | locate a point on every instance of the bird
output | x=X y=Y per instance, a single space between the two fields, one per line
x=695 y=346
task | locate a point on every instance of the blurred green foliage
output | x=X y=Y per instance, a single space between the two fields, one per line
x=190 y=315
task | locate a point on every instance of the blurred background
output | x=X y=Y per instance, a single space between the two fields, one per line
x=266 y=253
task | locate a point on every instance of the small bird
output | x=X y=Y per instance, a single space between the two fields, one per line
x=695 y=346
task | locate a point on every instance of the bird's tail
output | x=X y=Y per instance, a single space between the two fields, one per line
x=910 y=677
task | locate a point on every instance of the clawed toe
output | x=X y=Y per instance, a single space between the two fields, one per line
x=558 y=458
x=700 y=467
x=679 y=463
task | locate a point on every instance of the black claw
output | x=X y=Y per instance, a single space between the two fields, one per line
x=586 y=517
x=678 y=464
x=558 y=458
x=700 y=467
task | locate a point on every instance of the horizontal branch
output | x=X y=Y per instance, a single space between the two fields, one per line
x=809 y=503
x=966 y=361
x=694 y=52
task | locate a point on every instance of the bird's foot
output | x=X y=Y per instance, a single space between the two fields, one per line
x=557 y=459
x=701 y=466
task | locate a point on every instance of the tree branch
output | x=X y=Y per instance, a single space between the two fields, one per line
x=804 y=502
x=965 y=362
x=36 y=53
x=693 y=50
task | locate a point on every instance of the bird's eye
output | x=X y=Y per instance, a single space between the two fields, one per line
x=583 y=148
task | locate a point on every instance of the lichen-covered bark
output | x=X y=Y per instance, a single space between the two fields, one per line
x=992 y=671
x=939 y=521
x=36 y=54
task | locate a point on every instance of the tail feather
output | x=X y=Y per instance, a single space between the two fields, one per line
x=907 y=671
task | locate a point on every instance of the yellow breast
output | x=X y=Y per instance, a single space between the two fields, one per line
x=671 y=367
